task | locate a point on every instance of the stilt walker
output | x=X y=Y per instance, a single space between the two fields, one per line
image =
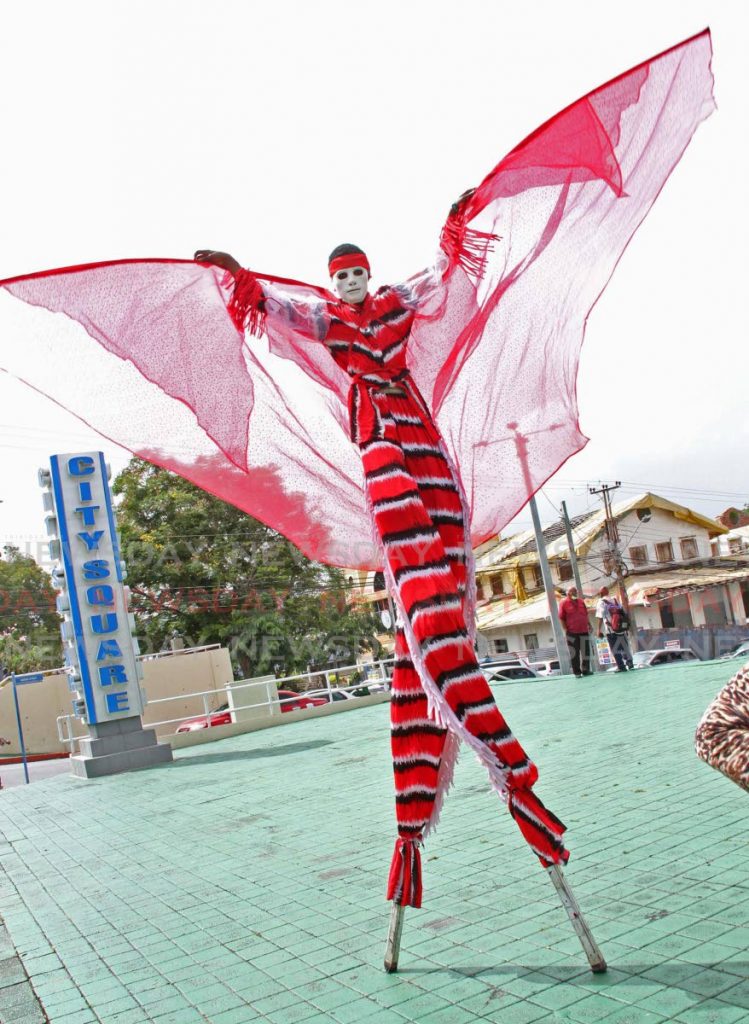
x=418 y=380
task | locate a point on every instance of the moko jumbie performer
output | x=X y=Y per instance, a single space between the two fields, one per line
x=377 y=430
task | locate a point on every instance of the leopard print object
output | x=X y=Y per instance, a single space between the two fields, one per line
x=722 y=737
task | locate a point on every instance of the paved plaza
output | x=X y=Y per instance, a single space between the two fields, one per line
x=245 y=882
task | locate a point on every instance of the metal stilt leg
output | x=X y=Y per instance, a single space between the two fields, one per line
x=583 y=932
x=394 y=938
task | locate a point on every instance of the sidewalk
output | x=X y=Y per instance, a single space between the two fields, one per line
x=245 y=882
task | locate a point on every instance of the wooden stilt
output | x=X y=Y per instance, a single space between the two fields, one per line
x=394 y=938
x=583 y=932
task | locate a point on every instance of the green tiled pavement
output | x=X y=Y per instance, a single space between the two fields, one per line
x=245 y=881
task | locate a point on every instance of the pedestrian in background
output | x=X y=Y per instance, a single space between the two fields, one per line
x=614 y=624
x=574 y=617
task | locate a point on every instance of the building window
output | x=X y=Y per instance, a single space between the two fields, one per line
x=639 y=555
x=688 y=547
x=538 y=580
x=664 y=552
x=713 y=607
x=531 y=641
x=500 y=646
x=378 y=583
x=734 y=545
x=676 y=612
x=495 y=582
x=565 y=571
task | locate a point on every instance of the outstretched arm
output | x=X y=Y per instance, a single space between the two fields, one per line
x=218 y=259
x=254 y=300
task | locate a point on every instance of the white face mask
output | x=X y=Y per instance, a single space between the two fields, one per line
x=351 y=284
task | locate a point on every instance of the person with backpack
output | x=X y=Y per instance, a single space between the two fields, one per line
x=614 y=624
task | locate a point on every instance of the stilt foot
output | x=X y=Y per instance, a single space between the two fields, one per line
x=583 y=932
x=392 y=950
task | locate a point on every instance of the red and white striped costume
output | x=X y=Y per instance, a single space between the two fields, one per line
x=439 y=693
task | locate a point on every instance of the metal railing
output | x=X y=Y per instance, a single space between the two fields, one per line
x=176 y=653
x=382 y=679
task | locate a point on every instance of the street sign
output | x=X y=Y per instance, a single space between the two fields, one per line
x=29 y=677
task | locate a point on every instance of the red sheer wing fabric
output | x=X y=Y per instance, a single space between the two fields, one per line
x=146 y=352
x=564 y=204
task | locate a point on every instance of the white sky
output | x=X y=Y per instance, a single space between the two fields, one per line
x=275 y=130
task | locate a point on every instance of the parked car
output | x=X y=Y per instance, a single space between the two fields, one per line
x=550 y=667
x=359 y=691
x=509 y=673
x=517 y=668
x=299 y=701
x=663 y=656
x=739 y=651
x=221 y=716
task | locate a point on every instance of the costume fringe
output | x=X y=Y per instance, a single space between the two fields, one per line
x=247 y=304
x=404 y=880
x=466 y=246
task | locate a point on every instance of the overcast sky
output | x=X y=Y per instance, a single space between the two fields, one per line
x=275 y=130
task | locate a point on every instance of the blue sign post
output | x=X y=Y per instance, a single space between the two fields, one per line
x=100 y=651
x=23 y=680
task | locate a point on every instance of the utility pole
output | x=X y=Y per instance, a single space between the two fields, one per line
x=560 y=640
x=612 y=537
x=576 y=573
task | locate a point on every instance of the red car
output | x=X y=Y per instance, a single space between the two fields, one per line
x=297 y=701
x=222 y=716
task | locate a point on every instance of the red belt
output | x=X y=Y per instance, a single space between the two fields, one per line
x=366 y=396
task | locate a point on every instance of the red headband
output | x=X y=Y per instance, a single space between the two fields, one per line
x=351 y=259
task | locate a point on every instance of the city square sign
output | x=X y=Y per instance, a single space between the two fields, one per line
x=100 y=652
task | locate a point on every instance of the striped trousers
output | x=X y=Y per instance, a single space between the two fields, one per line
x=439 y=694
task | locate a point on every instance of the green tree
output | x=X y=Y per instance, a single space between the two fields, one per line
x=29 y=623
x=202 y=570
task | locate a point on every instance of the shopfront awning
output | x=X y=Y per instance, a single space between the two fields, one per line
x=646 y=590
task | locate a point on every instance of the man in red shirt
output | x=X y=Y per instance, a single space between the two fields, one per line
x=574 y=617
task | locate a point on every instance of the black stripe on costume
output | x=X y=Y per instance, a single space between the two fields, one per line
x=455 y=634
x=421 y=451
x=470 y=705
x=554 y=842
x=448 y=485
x=415 y=762
x=435 y=602
x=385 y=502
x=495 y=737
x=402 y=731
x=446 y=518
x=412 y=533
x=390 y=350
x=418 y=796
x=393 y=314
x=415 y=830
x=401 y=699
x=403 y=663
x=372 y=474
x=464 y=671
x=437 y=563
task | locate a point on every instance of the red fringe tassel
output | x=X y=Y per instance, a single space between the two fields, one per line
x=467 y=246
x=404 y=881
x=247 y=304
